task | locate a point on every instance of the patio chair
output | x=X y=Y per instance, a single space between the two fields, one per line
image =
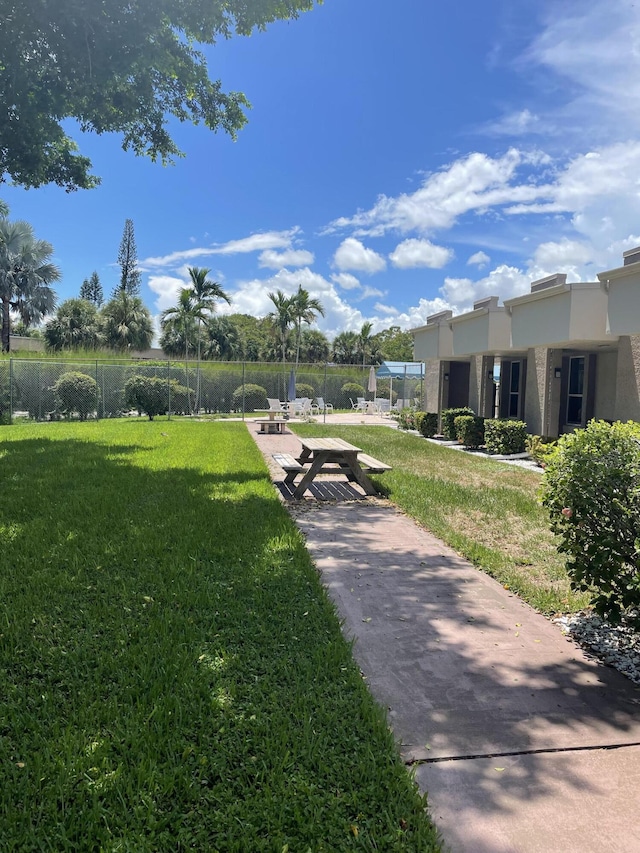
x=300 y=406
x=275 y=405
x=362 y=404
x=320 y=406
x=353 y=405
x=383 y=405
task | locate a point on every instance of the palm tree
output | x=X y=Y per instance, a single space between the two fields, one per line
x=206 y=293
x=25 y=275
x=127 y=323
x=282 y=318
x=189 y=311
x=304 y=310
x=345 y=347
x=364 y=339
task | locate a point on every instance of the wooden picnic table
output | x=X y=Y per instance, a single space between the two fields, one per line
x=274 y=423
x=331 y=455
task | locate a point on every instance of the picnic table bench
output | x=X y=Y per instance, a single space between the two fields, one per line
x=329 y=456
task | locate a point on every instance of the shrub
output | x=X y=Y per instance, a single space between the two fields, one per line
x=255 y=397
x=470 y=430
x=182 y=398
x=448 y=421
x=350 y=391
x=147 y=394
x=76 y=392
x=407 y=419
x=505 y=437
x=429 y=424
x=304 y=390
x=417 y=420
x=592 y=491
x=540 y=448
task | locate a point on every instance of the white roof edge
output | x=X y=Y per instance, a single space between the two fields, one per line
x=619 y=272
x=552 y=291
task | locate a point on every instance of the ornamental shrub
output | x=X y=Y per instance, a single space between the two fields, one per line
x=448 y=421
x=429 y=424
x=305 y=390
x=350 y=391
x=540 y=448
x=407 y=419
x=505 y=437
x=591 y=489
x=147 y=394
x=76 y=392
x=417 y=419
x=255 y=397
x=470 y=430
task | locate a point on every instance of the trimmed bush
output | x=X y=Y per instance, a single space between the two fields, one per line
x=407 y=419
x=592 y=491
x=505 y=437
x=305 y=390
x=540 y=448
x=448 y=421
x=470 y=430
x=350 y=391
x=428 y=424
x=76 y=392
x=417 y=419
x=147 y=394
x=255 y=397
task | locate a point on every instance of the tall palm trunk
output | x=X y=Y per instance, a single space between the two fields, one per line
x=6 y=325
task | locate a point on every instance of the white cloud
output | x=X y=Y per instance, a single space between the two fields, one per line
x=345 y=280
x=351 y=254
x=504 y=281
x=288 y=258
x=370 y=292
x=420 y=253
x=261 y=242
x=166 y=288
x=516 y=124
x=479 y=259
x=472 y=183
x=562 y=256
x=594 y=47
x=388 y=310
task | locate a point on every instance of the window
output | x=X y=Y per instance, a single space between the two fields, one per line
x=514 y=389
x=575 y=399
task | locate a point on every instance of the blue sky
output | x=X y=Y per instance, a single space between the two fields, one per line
x=400 y=158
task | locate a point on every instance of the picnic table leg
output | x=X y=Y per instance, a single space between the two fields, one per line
x=358 y=474
x=318 y=461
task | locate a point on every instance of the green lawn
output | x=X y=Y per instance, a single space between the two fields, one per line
x=172 y=674
x=488 y=511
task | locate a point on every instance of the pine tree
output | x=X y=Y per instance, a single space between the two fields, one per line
x=91 y=290
x=128 y=260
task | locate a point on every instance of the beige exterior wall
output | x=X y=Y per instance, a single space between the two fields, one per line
x=17 y=343
x=628 y=379
x=481 y=385
x=606 y=372
x=536 y=389
x=431 y=386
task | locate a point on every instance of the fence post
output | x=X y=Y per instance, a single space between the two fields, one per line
x=169 y=389
x=98 y=395
x=324 y=396
x=10 y=390
x=243 y=366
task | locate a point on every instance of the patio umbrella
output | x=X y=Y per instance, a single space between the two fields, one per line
x=291 y=391
x=373 y=382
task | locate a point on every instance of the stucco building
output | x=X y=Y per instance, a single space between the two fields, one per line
x=556 y=357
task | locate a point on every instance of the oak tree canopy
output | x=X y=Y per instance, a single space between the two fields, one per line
x=123 y=66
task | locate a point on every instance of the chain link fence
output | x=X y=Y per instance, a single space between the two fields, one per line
x=48 y=390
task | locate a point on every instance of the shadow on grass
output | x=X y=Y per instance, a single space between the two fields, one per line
x=173 y=675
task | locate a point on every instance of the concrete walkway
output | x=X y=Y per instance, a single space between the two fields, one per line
x=523 y=743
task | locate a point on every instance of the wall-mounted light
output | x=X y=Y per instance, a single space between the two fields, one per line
x=446 y=376
x=557 y=372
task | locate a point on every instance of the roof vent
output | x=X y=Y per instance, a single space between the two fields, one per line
x=488 y=302
x=549 y=281
x=632 y=256
x=439 y=318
